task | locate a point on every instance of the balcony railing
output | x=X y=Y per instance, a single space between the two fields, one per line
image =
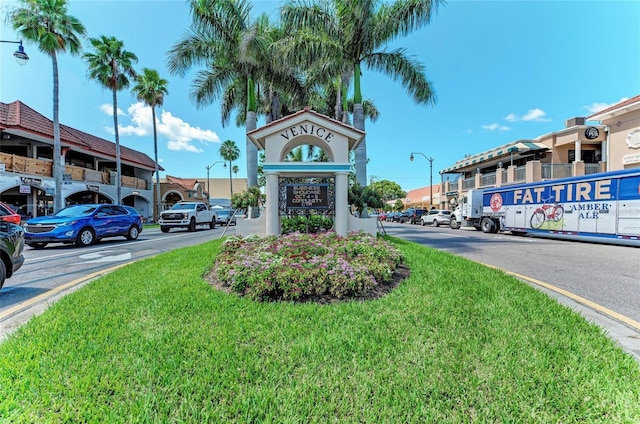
x=468 y=183
x=488 y=179
x=44 y=168
x=556 y=170
x=591 y=168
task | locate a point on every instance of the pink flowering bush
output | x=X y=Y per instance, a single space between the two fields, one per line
x=306 y=266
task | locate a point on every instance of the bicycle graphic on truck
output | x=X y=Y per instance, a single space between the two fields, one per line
x=547 y=212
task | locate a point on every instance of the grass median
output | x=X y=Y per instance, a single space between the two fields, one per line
x=455 y=342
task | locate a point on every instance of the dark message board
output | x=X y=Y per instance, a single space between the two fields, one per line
x=307 y=196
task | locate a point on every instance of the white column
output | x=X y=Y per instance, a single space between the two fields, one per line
x=578 y=149
x=271 y=207
x=342 y=204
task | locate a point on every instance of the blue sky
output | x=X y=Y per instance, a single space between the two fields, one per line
x=502 y=71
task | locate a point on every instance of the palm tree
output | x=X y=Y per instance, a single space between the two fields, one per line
x=151 y=89
x=48 y=25
x=229 y=152
x=236 y=53
x=111 y=66
x=295 y=155
x=345 y=34
x=236 y=169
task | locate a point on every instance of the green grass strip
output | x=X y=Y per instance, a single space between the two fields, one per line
x=456 y=342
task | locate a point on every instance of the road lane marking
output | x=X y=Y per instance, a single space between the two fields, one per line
x=98 y=257
x=595 y=306
x=43 y=296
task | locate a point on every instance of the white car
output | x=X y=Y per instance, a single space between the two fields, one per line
x=436 y=217
x=224 y=215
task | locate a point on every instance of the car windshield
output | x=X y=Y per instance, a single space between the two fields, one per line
x=183 y=206
x=223 y=213
x=77 y=210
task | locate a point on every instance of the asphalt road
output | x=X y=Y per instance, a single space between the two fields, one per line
x=602 y=282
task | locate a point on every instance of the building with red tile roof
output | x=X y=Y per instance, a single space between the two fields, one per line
x=26 y=165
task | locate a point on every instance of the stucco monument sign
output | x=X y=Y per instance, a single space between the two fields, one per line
x=283 y=189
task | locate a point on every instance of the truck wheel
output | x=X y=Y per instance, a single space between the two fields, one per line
x=496 y=226
x=212 y=224
x=192 y=225
x=454 y=224
x=164 y=229
x=487 y=225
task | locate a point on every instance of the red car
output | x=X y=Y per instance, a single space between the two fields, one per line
x=9 y=215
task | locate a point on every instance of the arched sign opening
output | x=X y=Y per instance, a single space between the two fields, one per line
x=301 y=186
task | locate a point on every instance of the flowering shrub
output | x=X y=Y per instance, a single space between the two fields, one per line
x=305 y=266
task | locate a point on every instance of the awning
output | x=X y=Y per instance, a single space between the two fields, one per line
x=527 y=148
x=521 y=147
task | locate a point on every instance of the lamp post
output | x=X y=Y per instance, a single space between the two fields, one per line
x=208 y=168
x=430 y=159
x=21 y=57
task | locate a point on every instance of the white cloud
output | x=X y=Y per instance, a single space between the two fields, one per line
x=107 y=109
x=597 y=107
x=181 y=134
x=535 y=115
x=495 y=127
x=141 y=117
x=512 y=117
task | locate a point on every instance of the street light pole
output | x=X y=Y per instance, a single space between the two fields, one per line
x=208 y=168
x=21 y=57
x=430 y=159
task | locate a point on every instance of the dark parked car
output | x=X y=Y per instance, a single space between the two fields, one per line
x=391 y=215
x=11 y=247
x=83 y=225
x=404 y=217
x=414 y=215
x=436 y=217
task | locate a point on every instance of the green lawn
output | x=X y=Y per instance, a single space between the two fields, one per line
x=456 y=342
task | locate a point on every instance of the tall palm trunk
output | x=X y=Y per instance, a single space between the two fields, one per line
x=157 y=170
x=250 y=125
x=230 y=183
x=58 y=168
x=115 y=127
x=358 y=123
x=252 y=151
x=346 y=76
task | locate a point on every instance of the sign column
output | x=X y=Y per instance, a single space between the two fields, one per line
x=341 y=213
x=271 y=207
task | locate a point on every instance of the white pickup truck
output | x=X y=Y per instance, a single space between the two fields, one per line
x=187 y=215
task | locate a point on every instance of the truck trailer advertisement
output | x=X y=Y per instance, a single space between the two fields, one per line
x=601 y=207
